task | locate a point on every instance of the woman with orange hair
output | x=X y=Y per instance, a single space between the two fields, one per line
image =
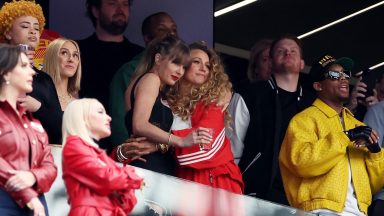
x=21 y=23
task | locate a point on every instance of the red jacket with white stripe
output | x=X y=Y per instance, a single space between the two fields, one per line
x=208 y=116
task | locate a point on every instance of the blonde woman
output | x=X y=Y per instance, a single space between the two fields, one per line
x=63 y=64
x=95 y=184
x=200 y=100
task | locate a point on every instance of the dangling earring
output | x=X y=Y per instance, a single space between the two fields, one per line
x=8 y=37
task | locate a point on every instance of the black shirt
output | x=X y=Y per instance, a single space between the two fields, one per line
x=100 y=60
x=50 y=113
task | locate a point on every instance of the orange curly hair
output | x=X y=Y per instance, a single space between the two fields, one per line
x=15 y=9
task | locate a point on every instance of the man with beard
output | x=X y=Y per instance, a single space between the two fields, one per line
x=331 y=163
x=271 y=105
x=107 y=49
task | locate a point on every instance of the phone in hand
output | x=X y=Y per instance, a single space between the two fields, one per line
x=25 y=47
x=369 y=79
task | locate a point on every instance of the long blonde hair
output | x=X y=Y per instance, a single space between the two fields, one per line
x=76 y=120
x=211 y=91
x=51 y=65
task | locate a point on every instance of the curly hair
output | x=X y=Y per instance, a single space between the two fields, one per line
x=216 y=86
x=15 y=9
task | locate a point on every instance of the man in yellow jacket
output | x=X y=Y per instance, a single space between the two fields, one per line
x=330 y=162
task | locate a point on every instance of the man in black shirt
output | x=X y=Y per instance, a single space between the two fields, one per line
x=107 y=49
x=271 y=106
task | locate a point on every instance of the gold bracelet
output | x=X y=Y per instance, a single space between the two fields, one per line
x=163 y=148
x=169 y=137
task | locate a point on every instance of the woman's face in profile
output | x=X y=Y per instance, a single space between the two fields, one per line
x=21 y=77
x=25 y=30
x=99 y=122
x=168 y=71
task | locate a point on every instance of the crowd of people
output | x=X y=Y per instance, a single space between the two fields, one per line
x=310 y=141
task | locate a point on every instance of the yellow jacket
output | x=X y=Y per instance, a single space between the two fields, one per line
x=314 y=161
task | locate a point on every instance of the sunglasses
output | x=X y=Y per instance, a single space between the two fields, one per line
x=336 y=75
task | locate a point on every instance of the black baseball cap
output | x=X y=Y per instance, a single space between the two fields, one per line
x=321 y=66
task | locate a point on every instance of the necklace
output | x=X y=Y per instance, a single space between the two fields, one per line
x=65 y=98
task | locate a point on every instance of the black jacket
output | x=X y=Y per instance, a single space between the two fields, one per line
x=264 y=137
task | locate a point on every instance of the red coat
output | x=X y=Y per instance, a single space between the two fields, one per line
x=95 y=184
x=20 y=138
x=214 y=167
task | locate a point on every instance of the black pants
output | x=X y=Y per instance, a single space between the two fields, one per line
x=376 y=208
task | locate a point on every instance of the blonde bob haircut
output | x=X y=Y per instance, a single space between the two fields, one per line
x=76 y=120
x=15 y=9
x=51 y=65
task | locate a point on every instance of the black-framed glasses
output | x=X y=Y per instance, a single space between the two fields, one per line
x=336 y=75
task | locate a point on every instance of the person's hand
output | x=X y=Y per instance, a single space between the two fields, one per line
x=364 y=136
x=30 y=54
x=19 y=180
x=359 y=132
x=135 y=148
x=198 y=136
x=30 y=103
x=357 y=93
x=36 y=206
x=371 y=100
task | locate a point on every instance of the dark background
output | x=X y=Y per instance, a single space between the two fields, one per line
x=360 y=38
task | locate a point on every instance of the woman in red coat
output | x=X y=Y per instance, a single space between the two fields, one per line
x=94 y=183
x=26 y=164
x=200 y=100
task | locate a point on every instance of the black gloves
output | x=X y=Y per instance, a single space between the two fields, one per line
x=363 y=132
x=360 y=132
x=374 y=148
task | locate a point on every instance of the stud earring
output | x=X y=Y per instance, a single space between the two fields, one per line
x=7 y=82
x=320 y=89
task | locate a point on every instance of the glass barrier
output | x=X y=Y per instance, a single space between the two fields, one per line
x=167 y=195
